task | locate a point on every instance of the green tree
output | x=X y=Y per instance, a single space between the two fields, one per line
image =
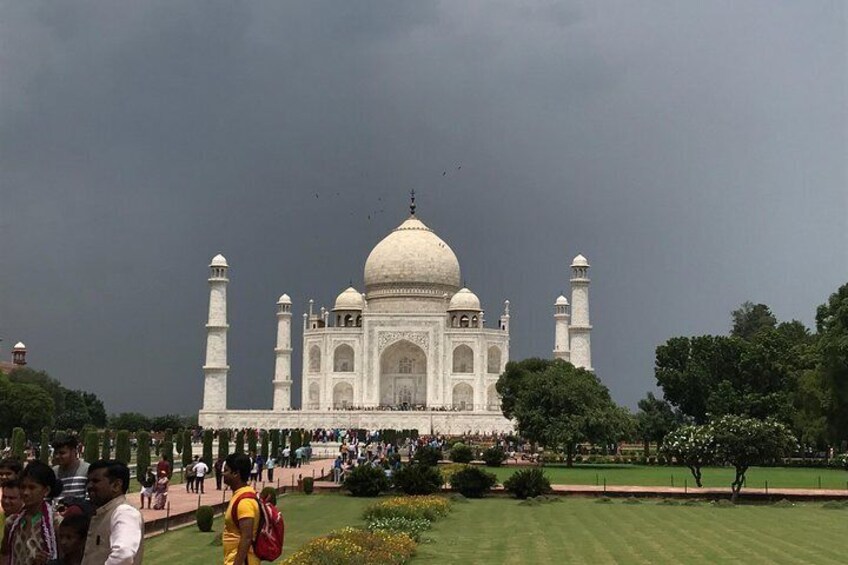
x=654 y=420
x=275 y=442
x=251 y=441
x=142 y=453
x=559 y=405
x=132 y=421
x=832 y=365
x=239 y=448
x=28 y=406
x=122 y=447
x=743 y=442
x=207 y=447
x=263 y=444
x=223 y=443
x=26 y=375
x=74 y=414
x=106 y=450
x=166 y=422
x=188 y=456
x=692 y=446
x=18 y=444
x=94 y=407
x=44 y=445
x=91 y=447
x=178 y=441
x=750 y=318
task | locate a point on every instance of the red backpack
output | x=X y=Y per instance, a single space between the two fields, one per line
x=268 y=545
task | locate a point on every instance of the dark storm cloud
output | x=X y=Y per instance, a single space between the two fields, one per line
x=694 y=153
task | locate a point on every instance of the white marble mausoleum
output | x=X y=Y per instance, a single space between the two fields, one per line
x=414 y=350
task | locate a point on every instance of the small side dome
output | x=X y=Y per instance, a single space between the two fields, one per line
x=284 y=299
x=19 y=346
x=580 y=261
x=350 y=299
x=561 y=301
x=218 y=261
x=464 y=299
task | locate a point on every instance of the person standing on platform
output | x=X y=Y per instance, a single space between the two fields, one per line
x=219 y=472
x=200 y=471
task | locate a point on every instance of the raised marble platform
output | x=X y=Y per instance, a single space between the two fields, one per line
x=452 y=423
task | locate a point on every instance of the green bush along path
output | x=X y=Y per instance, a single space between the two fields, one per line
x=581 y=530
x=648 y=475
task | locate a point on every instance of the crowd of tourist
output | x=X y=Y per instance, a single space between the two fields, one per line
x=72 y=513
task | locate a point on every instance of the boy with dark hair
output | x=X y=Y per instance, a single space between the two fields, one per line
x=72 y=533
x=239 y=533
x=10 y=469
x=71 y=471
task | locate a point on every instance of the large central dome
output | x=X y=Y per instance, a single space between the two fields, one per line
x=411 y=261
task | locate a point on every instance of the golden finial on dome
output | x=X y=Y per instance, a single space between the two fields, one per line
x=412 y=202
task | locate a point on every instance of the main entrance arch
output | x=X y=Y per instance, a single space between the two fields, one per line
x=403 y=375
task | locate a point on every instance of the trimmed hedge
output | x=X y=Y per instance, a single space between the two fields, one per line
x=366 y=480
x=473 y=482
x=461 y=453
x=528 y=483
x=205 y=515
x=418 y=479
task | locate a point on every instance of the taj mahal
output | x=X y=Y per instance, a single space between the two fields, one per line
x=414 y=351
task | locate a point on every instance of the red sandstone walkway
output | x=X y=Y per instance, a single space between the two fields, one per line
x=182 y=502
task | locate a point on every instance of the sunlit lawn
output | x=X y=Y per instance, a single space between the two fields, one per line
x=777 y=477
x=574 y=530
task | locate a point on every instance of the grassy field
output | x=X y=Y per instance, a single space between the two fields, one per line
x=306 y=517
x=777 y=477
x=580 y=530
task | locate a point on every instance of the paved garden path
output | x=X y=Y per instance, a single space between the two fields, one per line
x=182 y=502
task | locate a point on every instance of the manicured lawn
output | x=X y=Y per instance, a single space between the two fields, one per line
x=306 y=517
x=572 y=530
x=581 y=530
x=777 y=477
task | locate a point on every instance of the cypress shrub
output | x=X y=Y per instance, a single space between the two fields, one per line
x=169 y=437
x=122 y=447
x=167 y=449
x=494 y=456
x=44 y=448
x=365 y=480
x=461 y=453
x=106 y=450
x=263 y=444
x=91 y=445
x=308 y=485
x=188 y=456
x=223 y=443
x=528 y=483
x=418 y=479
x=269 y=494
x=275 y=443
x=239 y=441
x=179 y=441
x=473 y=482
x=142 y=458
x=207 y=447
x=295 y=443
x=427 y=455
x=251 y=441
x=205 y=515
x=18 y=444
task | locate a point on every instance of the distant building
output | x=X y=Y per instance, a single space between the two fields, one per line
x=412 y=351
x=18 y=359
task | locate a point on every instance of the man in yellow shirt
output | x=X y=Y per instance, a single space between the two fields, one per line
x=239 y=533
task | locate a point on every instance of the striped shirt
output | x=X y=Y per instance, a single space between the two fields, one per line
x=73 y=481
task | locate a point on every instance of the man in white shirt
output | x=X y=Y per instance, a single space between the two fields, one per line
x=200 y=471
x=117 y=529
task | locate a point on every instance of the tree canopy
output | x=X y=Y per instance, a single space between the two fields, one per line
x=559 y=405
x=749 y=319
x=655 y=419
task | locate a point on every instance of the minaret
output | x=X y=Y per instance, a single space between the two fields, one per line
x=215 y=368
x=562 y=347
x=580 y=328
x=282 y=366
x=504 y=321
x=19 y=354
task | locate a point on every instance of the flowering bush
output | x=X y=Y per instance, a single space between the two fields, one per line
x=412 y=507
x=352 y=546
x=692 y=446
x=413 y=527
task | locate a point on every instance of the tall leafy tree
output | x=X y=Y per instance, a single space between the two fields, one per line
x=559 y=405
x=654 y=420
x=207 y=447
x=832 y=369
x=223 y=443
x=122 y=447
x=132 y=421
x=142 y=452
x=749 y=319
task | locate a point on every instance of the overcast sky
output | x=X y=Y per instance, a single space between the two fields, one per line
x=695 y=152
